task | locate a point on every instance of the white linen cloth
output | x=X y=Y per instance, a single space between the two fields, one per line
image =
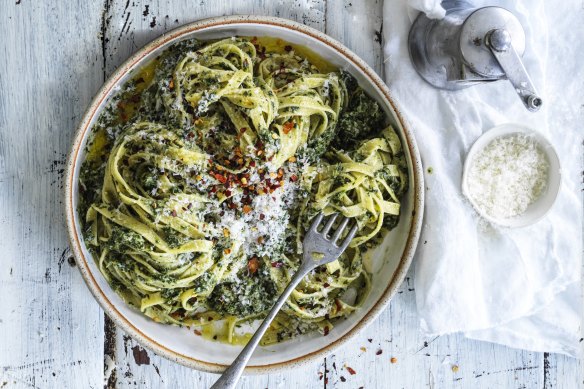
x=517 y=287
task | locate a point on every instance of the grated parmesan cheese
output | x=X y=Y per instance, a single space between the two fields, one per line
x=262 y=235
x=508 y=175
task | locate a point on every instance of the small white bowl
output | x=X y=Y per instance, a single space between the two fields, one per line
x=536 y=210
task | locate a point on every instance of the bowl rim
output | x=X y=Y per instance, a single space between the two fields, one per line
x=417 y=182
x=503 y=130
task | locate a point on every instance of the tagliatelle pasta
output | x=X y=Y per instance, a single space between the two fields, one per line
x=203 y=176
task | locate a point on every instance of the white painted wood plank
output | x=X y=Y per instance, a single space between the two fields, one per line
x=130 y=26
x=50 y=326
x=563 y=372
x=137 y=366
x=358 y=25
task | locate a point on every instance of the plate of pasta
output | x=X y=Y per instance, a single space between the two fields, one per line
x=201 y=163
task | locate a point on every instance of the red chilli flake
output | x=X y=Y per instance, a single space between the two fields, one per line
x=326 y=330
x=288 y=126
x=173 y=213
x=253 y=265
x=220 y=178
x=198 y=332
x=293 y=178
x=351 y=370
x=242 y=130
x=262 y=216
x=277 y=264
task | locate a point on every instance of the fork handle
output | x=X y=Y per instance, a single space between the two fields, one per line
x=230 y=377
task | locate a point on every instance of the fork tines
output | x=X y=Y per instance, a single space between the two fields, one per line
x=342 y=227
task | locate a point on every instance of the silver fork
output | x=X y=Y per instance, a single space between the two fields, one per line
x=318 y=249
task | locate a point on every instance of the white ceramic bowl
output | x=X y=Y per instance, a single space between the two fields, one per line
x=389 y=264
x=536 y=210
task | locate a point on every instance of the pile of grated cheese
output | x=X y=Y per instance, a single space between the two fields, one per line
x=508 y=175
x=263 y=229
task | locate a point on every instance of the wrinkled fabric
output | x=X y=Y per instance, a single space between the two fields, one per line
x=518 y=287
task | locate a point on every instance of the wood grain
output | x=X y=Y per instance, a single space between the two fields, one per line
x=51 y=330
x=358 y=24
x=53 y=57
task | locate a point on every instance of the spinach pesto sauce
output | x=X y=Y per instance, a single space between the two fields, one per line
x=253 y=295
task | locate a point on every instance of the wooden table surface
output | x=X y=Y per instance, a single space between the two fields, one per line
x=54 y=55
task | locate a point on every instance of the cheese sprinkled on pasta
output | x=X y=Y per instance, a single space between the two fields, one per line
x=205 y=172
